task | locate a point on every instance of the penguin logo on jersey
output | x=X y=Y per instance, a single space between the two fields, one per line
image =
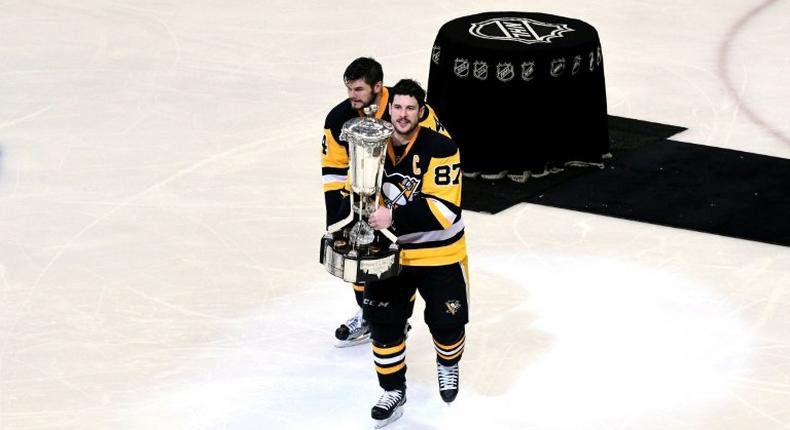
x=398 y=189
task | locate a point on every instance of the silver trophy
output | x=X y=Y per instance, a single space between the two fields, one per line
x=358 y=253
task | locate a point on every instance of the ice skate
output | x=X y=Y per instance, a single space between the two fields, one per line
x=355 y=331
x=389 y=407
x=448 y=381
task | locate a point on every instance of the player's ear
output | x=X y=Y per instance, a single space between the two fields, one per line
x=421 y=112
x=377 y=87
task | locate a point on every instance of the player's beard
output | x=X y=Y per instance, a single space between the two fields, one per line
x=367 y=103
x=411 y=126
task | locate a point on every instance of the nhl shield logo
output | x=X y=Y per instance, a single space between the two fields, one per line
x=461 y=67
x=557 y=67
x=527 y=70
x=437 y=50
x=480 y=70
x=505 y=71
x=522 y=30
x=577 y=64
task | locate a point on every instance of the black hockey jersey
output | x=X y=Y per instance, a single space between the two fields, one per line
x=423 y=187
x=334 y=152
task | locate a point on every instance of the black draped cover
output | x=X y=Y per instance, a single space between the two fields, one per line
x=519 y=91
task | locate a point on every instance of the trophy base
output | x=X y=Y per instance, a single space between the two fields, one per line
x=359 y=269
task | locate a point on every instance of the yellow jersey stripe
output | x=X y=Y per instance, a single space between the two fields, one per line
x=332 y=186
x=438 y=214
x=438 y=256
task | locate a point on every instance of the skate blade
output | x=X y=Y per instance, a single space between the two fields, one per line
x=347 y=343
x=397 y=413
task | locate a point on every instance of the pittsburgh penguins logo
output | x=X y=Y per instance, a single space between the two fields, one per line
x=398 y=189
x=453 y=306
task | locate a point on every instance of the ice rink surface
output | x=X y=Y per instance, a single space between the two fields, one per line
x=161 y=207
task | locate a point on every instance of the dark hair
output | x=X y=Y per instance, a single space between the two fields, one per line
x=365 y=68
x=409 y=87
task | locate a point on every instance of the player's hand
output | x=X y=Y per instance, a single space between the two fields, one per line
x=380 y=219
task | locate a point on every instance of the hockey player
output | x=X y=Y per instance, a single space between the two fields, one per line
x=363 y=79
x=421 y=195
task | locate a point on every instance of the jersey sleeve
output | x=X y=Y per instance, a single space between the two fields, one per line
x=439 y=205
x=432 y=121
x=334 y=172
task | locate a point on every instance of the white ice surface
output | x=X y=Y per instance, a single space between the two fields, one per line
x=160 y=210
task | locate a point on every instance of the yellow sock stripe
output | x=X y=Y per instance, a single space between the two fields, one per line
x=451 y=357
x=359 y=287
x=450 y=347
x=391 y=350
x=390 y=370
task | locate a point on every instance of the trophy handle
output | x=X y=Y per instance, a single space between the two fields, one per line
x=338 y=225
x=388 y=234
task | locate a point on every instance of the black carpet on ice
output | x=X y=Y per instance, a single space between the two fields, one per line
x=660 y=181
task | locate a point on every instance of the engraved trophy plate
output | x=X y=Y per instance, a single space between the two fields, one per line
x=358 y=253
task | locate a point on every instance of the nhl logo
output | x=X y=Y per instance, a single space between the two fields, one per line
x=522 y=30
x=461 y=67
x=437 y=50
x=505 y=71
x=527 y=70
x=480 y=70
x=577 y=64
x=557 y=67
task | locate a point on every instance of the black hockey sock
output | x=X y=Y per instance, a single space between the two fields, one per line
x=389 y=355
